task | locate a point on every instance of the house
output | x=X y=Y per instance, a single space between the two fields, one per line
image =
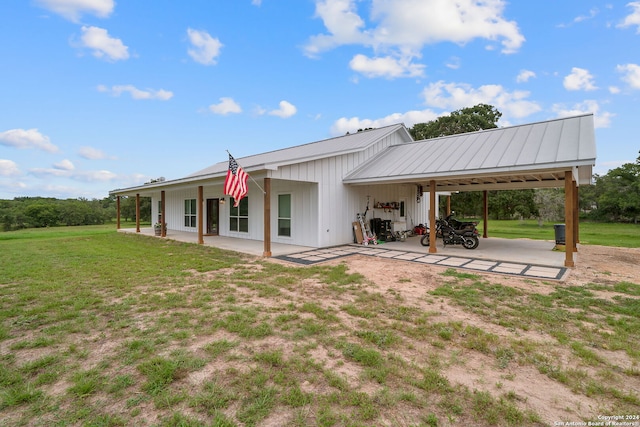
x=309 y=194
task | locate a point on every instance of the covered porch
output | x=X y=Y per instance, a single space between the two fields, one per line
x=520 y=251
x=553 y=154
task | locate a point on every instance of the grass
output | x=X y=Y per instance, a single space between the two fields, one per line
x=114 y=329
x=591 y=233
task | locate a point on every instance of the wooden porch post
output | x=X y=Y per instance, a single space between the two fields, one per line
x=117 y=212
x=163 y=215
x=137 y=212
x=485 y=210
x=449 y=205
x=568 y=218
x=200 y=214
x=432 y=217
x=576 y=216
x=267 y=217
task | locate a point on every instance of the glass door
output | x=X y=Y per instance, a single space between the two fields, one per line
x=213 y=216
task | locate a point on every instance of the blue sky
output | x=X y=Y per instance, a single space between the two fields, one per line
x=103 y=94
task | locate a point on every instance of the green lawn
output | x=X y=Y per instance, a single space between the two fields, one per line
x=99 y=328
x=591 y=233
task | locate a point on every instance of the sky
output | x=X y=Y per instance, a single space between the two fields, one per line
x=97 y=95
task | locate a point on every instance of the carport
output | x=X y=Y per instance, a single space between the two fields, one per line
x=557 y=153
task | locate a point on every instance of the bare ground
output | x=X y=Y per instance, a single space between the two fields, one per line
x=553 y=401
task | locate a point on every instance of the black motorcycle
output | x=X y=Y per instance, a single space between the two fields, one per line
x=459 y=225
x=463 y=233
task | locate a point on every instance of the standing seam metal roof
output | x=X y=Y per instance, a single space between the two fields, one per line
x=306 y=152
x=545 y=145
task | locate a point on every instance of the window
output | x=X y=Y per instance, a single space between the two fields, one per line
x=284 y=215
x=190 y=213
x=239 y=216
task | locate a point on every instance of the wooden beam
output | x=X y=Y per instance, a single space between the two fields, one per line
x=576 y=216
x=267 y=217
x=485 y=214
x=448 y=205
x=568 y=218
x=137 y=212
x=200 y=214
x=163 y=215
x=117 y=212
x=432 y=217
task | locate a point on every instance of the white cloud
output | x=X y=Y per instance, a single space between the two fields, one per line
x=83 y=176
x=103 y=45
x=525 y=75
x=91 y=153
x=9 y=168
x=49 y=172
x=631 y=74
x=579 y=79
x=74 y=9
x=386 y=67
x=454 y=96
x=31 y=138
x=592 y=14
x=614 y=90
x=342 y=22
x=409 y=118
x=65 y=165
x=93 y=176
x=602 y=119
x=286 y=110
x=225 y=106
x=256 y=2
x=453 y=63
x=633 y=18
x=408 y=25
x=160 y=94
x=206 y=49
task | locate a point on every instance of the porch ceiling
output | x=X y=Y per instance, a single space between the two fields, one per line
x=478 y=181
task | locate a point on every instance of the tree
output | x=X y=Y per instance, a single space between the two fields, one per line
x=467 y=204
x=619 y=192
x=128 y=208
x=550 y=203
x=470 y=119
x=42 y=214
x=512 y=204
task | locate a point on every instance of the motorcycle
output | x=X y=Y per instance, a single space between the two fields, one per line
x=459 y=225
x=462 y=233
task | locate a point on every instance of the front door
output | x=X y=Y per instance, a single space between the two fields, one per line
x=213 y=216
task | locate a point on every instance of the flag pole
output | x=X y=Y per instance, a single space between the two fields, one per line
x=254 y=181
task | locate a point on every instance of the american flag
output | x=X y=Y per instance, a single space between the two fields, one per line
x=235 y=185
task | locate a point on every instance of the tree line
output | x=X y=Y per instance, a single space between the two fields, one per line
x=614 y=197
x=37 y=212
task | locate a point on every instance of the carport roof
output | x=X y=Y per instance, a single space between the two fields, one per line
x=525 y=156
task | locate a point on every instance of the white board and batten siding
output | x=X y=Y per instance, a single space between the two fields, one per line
x=337 y=204
x=304 y=196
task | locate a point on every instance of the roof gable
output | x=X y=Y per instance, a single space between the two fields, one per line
x=312 y=151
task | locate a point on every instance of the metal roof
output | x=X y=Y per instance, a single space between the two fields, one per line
x=312 y=151
x=524 y=156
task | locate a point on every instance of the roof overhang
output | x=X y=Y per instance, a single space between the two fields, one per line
x=516 y=179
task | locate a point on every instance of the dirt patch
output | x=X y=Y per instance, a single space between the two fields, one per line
x=552 y=400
